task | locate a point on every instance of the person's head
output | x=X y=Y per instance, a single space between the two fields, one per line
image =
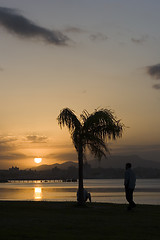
x=128 y=165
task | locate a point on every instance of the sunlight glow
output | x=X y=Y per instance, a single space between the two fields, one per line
x=37 y=192
x=37 y=160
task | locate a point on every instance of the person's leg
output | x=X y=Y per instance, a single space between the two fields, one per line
x=130 y=198
x=132 y=203
x=127 y=194
x=89 y=196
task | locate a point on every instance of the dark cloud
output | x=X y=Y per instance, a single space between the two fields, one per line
x=12 y=156
x=71 y=29
x=7 y=139
x=36 y=139
x=5 y=148
x=148 y=152
x=7 y=143
x=98 y=37
x=139 y=40
x=17 y=24
x=95 y=37
x=70 y=156
x=135 y=148
x=8 y=146
x=156 y=86
x=154 y=71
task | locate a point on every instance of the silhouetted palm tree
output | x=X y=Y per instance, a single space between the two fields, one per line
x=90 y=131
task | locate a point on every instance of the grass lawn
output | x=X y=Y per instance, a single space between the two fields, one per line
x=66 y=220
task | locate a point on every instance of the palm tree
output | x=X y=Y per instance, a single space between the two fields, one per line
x=90 y=131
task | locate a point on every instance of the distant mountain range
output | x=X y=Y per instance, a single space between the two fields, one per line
x=63 y=166
x=110 y=162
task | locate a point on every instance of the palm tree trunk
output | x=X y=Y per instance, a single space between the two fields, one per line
x=80 y=163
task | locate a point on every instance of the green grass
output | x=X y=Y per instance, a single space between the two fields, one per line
x=66 y=220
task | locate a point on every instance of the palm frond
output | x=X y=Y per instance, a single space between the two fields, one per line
x=95 y=144
x=85 y=114
x=76 y=138
x=98 y=150
x=104 y=124
x=68 y=118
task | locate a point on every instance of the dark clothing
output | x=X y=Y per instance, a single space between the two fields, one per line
x=86 y=195
x=129 y=197
x=130 y=179
x=130 y=182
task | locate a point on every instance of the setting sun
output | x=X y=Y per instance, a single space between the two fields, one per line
x=37 y=160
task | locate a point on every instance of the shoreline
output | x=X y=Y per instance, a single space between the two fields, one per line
x=72 y=203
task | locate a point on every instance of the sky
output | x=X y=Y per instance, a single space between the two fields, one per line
x=84 y=54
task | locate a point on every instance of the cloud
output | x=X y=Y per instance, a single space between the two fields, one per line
x=7 y=139
x=148 y=152
x=95 y=37
x=140 y=40
x=156 y=86
x=7 y=143
x=17 y=24
x=36 y=139
x=13 y=156
x=137 y=148
x=98 y=37
x=8 y=149
x=154 y=71
x=71 y=29
x=5 y=148
x=70 y=156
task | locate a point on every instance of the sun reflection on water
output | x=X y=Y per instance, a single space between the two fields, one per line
x=37 y=193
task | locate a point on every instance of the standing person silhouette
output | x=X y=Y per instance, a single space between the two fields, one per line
x=129 y=183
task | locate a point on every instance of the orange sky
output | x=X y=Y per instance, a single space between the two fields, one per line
x=109 y=58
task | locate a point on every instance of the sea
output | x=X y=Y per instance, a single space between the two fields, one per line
x=147 y=191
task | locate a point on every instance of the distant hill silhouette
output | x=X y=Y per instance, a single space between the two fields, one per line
x=110 y=162
x=63 y=166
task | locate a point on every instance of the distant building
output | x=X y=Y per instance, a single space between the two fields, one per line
x=14 y=169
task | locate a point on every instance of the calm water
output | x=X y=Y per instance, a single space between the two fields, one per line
x=102 y=190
